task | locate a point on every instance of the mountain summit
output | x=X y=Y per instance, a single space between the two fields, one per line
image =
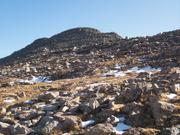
x=77 y=37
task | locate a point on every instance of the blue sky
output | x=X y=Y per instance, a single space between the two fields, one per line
x=22 y=21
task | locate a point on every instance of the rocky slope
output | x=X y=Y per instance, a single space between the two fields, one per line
x=84 y=82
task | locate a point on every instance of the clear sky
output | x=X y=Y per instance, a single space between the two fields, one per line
x=22 y=21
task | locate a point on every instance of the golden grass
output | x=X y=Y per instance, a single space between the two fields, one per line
x=65 y=84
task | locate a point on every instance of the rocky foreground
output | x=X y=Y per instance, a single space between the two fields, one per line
x=84 y=82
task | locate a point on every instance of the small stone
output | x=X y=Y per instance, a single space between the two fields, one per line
x=65 y=108
x=50 y=107
x=2 y=110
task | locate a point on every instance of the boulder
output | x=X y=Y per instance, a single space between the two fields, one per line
x=127 y=96
x=16 y=129
x=101 y=129
x=46 y=125
x=50 y=107
x=28 y=115
x=67 y=122
x=93 y=103
x=161 y=110
x=46 y=96
x=5 y=128
x=84 y=109
x=140 y=120
x=132 y=108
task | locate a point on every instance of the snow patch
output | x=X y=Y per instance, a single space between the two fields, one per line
x=36 y=80
x=85 y=124
x=121 y=119
x=118 y=66
x=143 y=69
x=115 y=119
x=177 y=87
x=121 y=126
x=118 y=73
x=41 y=79
x=28 y=102
x=9 y=100
x=171 y=95
x=114 y=73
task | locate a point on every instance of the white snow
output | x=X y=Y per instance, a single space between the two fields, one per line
x=121 y=119
x=26 y=81
x=171 y=95
x=118 y=66
x=114 y=73
x=177 y=87
x=11 y=83
x=143 y=69
x=36 y=80
x=65 y=134
x=85 y=124
x=41 y=79
x=118 y=73
x=113 y=117
x=121 y=126
x=9 y=100
x=28 y=102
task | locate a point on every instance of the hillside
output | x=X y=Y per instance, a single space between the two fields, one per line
x=86 y=82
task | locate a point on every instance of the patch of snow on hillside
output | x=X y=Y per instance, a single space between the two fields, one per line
x=121 y=126
x=118 y=73
x=143 y=69
x=114 y=73
x=85 y=124
x=36 y=80
x=171 y=95
x=9 y=100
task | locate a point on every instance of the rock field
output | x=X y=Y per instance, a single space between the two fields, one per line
x=85 y=82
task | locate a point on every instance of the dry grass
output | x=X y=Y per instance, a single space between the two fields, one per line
x=65 y=85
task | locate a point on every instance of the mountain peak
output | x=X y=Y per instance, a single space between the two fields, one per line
x=84 y=30
x=81 y=37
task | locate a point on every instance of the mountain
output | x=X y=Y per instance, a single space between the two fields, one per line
x=78 y=37
x=80 y=51
x=86 y=82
